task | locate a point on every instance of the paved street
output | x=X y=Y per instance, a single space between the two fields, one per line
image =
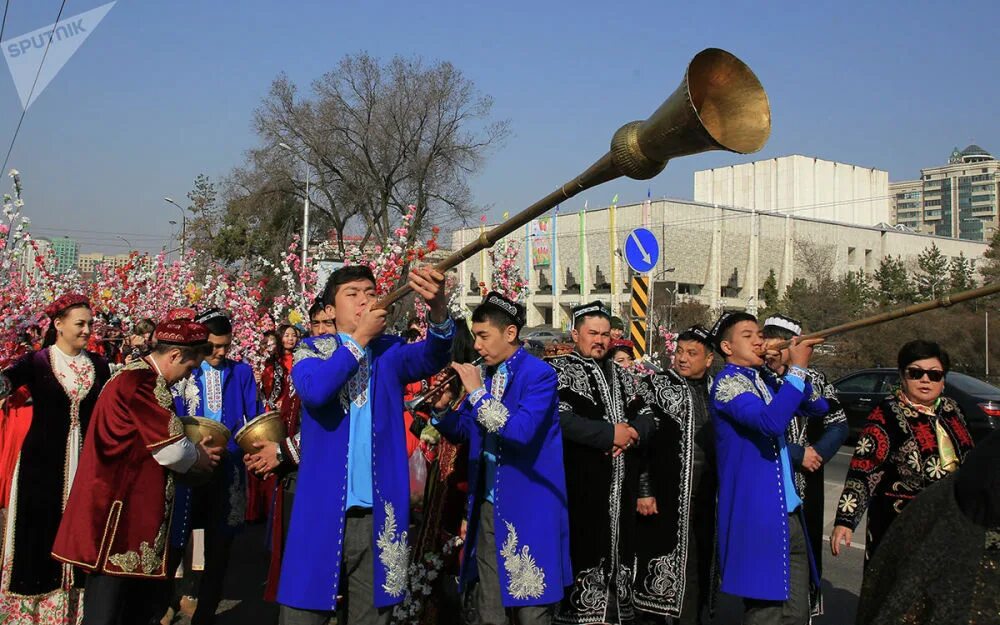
x=244 y=584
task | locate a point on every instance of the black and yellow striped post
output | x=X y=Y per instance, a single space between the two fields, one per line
x=640 y=307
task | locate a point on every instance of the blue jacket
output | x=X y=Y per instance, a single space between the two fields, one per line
x=529 y=492
x=240 y=403
x=310 y=570
x=752 y=517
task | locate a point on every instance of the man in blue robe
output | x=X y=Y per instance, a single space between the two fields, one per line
x=351 y=511
x=223 y=390
x=517 y=544
x=763 y=550
x=813 y=436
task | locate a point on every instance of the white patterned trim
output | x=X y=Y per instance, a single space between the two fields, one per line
x=355 y=349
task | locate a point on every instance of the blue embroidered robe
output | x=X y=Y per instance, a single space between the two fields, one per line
x=753 y=519
x=310 y=570
x=240 y=403
x=529 y=490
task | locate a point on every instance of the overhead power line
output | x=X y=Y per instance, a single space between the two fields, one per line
x=32 y=92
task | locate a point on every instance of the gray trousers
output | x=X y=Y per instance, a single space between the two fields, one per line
x=357 y=578
x=487 y=597
x=795 y=611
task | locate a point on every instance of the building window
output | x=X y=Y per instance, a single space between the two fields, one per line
x=852 y=256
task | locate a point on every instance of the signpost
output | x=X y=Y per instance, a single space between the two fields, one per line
x=642 y=251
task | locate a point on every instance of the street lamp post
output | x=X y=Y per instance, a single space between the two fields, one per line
x=126 y=243
x=305 y=207
x=183 y=225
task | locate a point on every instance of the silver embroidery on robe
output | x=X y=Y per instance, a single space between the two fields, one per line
x=525 y=579
x=321 y=348
x=573 y=376
x=492 y=415
x=394 y=554
x=732 y=386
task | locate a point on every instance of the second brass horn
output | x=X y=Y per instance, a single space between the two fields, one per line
x=720 y=105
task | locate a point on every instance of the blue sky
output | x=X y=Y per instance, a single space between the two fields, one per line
x=163 y=91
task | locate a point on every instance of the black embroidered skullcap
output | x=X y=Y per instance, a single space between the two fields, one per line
x=785 y=323
x=726 y=321
x=517 y=312
x=216 y=320
x=696 y=333
x=596 y=307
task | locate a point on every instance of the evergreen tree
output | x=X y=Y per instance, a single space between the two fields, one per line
x=960 y=274
x=990 y=268
x=933 y=279
x=856 y=292
x=894 y=286
x=769 y=293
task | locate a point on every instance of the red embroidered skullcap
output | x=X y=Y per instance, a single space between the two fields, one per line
x=66 y=301
x=178 y=314
x=180 y=332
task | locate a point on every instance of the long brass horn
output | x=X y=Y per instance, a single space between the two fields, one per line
x=720 y=105
x=991 y=288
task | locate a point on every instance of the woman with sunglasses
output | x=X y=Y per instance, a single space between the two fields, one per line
x=912 y=439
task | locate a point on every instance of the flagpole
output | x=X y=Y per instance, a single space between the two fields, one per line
x=555 y=257
x=612 y=249
x=527 y=258
x=482 y=256
x=583 y=252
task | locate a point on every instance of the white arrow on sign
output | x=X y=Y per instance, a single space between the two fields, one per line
x=645 y=255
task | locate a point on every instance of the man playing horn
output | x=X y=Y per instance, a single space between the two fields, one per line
x=518 y=538
x=351 y=511
x=118 y=513
x=813 y=438
x=763 y=553
x=603 y=420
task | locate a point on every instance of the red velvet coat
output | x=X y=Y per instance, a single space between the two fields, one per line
x=118 y=512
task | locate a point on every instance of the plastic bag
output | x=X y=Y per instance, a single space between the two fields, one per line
x=418 y=476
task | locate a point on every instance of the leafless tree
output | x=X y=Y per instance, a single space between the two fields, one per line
x=377 y=138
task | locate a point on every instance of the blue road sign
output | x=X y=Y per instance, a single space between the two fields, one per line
x=641 y=250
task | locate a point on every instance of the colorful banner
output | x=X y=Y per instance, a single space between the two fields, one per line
x=541 y=242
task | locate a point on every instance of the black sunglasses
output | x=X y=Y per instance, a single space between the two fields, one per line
x=916 y=373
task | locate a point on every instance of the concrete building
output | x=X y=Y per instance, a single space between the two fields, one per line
x=26 y=263
x=67 y=253
x=719 y=256
x=89 y=263
x=955 y=200
x=802 y=186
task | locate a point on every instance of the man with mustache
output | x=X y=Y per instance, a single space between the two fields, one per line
x=604 y=419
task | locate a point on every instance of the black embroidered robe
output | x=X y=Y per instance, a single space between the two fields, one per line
x=684 y=488
x=601 y=489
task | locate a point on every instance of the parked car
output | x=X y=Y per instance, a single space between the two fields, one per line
x=861 y=391
x=544 y=336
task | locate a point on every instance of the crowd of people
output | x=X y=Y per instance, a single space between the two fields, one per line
x=450 y=476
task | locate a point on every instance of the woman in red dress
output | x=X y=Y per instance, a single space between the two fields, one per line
x=277 y=389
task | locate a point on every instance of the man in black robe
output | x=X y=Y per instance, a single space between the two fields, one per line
x=677 y=489
x=604 y=420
